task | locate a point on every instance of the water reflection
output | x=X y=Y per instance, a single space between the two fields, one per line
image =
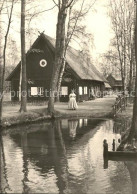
x=3 y=169
x=120 y=127
x=64 y=156
x=132 y=168
x=72 y=124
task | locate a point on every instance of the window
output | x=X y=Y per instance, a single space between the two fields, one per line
x=85 y=90
x=64 y=90
x=34 y=91
x=40 y=91
x=80 y=90
x=37 y=91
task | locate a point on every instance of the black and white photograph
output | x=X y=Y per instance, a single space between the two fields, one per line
x=68 y=96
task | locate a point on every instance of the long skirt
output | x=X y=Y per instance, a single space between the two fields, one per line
x=72 y=104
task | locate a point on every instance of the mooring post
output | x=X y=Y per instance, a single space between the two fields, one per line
x=105 y=163
x=105 y=148
x=105 y=153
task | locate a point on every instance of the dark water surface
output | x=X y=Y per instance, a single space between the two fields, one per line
x=65 y=156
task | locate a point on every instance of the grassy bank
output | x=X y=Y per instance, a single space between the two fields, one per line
x=99 y=108
x=126 y=114
x=24 y=118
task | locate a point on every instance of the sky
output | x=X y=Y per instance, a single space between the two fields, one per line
x=97 y=22
x=100 y=25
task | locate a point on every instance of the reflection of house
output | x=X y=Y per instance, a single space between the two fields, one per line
x=79 y=73
x=76 y=128
x=115 y=82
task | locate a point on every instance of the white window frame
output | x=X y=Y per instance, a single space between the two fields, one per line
x=85 y=90
x=40 y=91
x=64 y=90
x=80 y=89
x=34 y=91
x=37 y=91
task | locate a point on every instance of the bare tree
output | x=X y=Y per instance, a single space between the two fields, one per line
x=75 y=30
x=34 y=13
x=23 y=60
x=133 y=131
x=63 y=6
x=3 y=53
x=109 y=63
x=122 y=16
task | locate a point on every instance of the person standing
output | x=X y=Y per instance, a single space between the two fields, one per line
x=72 y=101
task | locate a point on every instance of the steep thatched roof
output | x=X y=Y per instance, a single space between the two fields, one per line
x=79 y=64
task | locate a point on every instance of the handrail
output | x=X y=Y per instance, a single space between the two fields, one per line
x=120 y=104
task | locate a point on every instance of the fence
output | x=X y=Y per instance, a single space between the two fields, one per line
x=120 y=104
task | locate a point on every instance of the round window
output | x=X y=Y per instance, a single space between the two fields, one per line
x=43 y=63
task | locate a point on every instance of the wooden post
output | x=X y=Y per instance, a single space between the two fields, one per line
x=113 y=145
x=105 y=163
x=120 y=103
x=105 y=148
x=115 y=109
x=126 y=100
x=133 y=142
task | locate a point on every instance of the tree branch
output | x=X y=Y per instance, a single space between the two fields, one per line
x=2 y=6
x=39 y=13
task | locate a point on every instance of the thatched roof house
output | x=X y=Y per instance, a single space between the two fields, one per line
x=80 y=74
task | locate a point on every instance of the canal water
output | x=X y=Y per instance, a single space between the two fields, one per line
x=64 y=156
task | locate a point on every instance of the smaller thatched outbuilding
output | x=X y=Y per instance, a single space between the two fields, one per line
x=115 y=82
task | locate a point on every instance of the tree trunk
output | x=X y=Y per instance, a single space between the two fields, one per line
x=1 y=92
x=23 y=60
x=3 y=61
x=123 y=78
x=59 y=56
x=133 y=131
x=60 y=80
x=20 y=80
x=1 y=78
x=67 y=41
x=130 y=77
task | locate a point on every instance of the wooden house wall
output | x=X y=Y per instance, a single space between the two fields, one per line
x=111 y=81
x=37 y=76
x=95 y=85
x=115 y=84
x=74 y=84
x=15 y=90
x=117 y=88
